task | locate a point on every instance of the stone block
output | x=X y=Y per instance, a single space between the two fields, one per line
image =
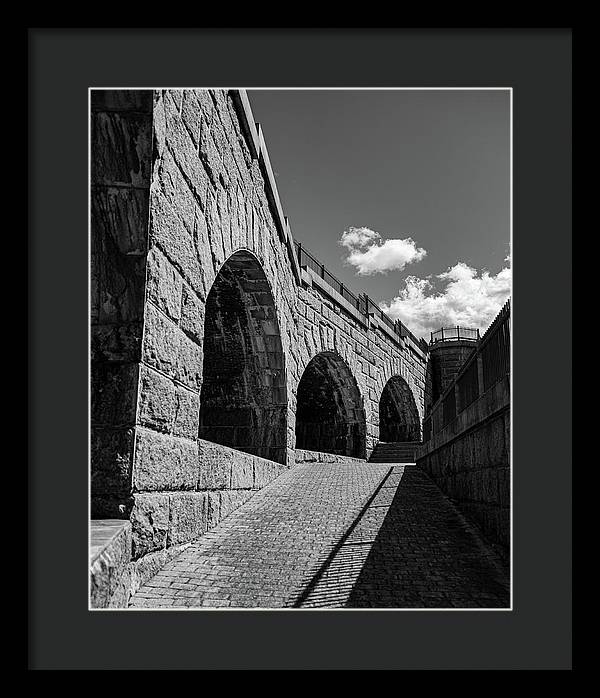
x=265 y=471
x=149 y=523
x=164 y=462
x=188 y=516
x=191 y=113
x=187 y=413
x=164 y=284
x=213 y=511
x=242 y=471
x=169 y=232
x=189 y=362
x=231 y=500
x=214 y=466
x=176 y=189
x=161 y=342
x=192 y=315
x=184 y=151
x=158 y=400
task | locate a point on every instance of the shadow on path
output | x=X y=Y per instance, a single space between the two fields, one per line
x=410 y=548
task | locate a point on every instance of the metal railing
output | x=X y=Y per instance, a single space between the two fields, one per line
x=487 y=364
x=364 y=304
x=495 y=348
x=452 y=334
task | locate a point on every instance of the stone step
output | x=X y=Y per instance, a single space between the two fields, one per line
x=395 y=452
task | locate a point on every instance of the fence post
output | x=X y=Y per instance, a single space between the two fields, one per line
x=480 y=390
x=457 y=398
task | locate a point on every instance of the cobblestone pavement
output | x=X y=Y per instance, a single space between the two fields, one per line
x=336 y=535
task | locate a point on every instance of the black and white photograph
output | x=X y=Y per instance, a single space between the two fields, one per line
x=300 y=349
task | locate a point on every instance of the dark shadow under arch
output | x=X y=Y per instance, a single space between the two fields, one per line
x=243 y=402
x=330 y=416
x=398 y=414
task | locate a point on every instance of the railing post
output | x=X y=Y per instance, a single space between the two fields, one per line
x=457 y=398
x=480 y=390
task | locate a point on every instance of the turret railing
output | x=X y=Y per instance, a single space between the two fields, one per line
x=453 y=334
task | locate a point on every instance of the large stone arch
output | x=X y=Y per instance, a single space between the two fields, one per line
x=330 y=414
x=398 y=414
x=243 y=400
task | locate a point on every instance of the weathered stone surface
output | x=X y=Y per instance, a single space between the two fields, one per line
x=242 y=471
x=110 y=553
x=470 y=461
x=112 y=458
x=213 y=509
x=158 y=400
x=113 y=401
x=186 y=413
x=189 y=362
x=121 y=214
x=192 y=315
x=231 y=500
x=164 y=462
x=122 y=100
x=171 y=234
x=121 y=148
x=265 y=471
x=149 y=523
x=161 y=342
x=188 y=516
x=164 y=284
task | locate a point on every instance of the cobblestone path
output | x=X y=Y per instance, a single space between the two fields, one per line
x=336 y=535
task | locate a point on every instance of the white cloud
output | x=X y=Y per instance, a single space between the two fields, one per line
x=370 y=254
x=469 y=299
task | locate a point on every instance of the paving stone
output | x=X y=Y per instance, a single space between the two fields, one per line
x=336 y=535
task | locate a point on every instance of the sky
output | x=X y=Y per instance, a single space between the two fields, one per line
x=402 y=194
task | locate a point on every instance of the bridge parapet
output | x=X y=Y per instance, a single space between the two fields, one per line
x=361 y=303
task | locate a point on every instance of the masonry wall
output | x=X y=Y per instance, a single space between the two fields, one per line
x=207 y=201
x=469 y=460
x=121 y=150
x=187 y=188
x=373 y=357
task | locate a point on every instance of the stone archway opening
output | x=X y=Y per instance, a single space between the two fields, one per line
x=243 y=401
x=398 y=413
x=330 y=416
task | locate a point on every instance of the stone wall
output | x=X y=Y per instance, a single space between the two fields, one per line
x=469 y=460
x=326 y=324
x=202 y=323
x=121 y=150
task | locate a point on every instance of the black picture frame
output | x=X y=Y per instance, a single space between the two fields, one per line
x=63 y=64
